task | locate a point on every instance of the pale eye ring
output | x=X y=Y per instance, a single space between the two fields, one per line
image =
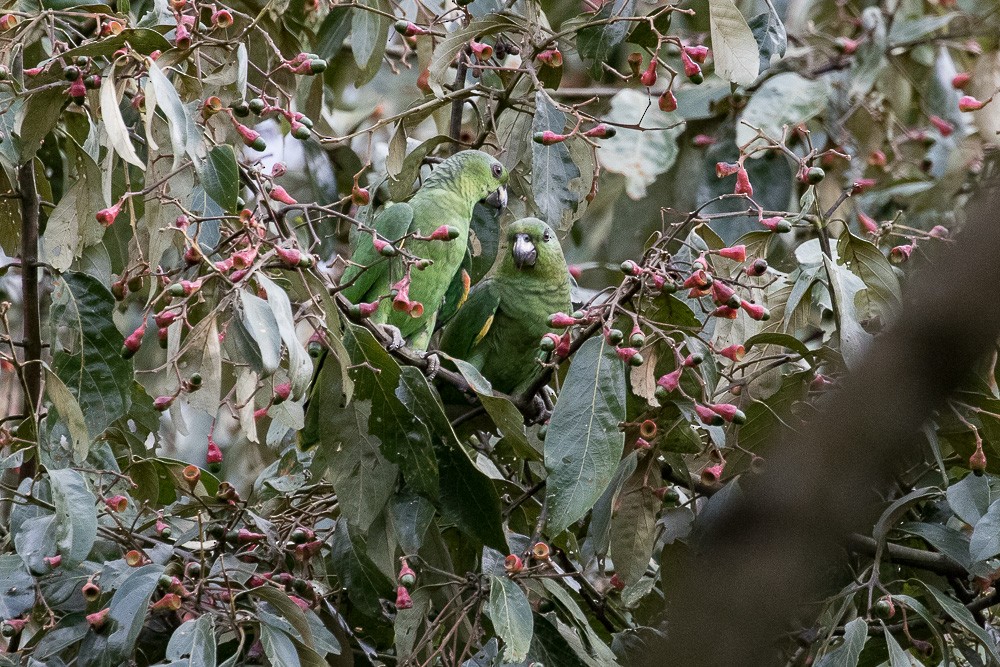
x=497 y=169
x=546 y=238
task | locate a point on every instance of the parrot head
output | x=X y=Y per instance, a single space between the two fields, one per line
x=533 y=246
x=476 y=174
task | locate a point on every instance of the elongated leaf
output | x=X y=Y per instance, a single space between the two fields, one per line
x=597 y=43
x=970 y=498
x=633 y=530
x=300 y=366
x=599 y=530
x=278 y=647
x=770 y=34
x=262 y=341
x=897 y=656
x=128 y=612
x=220 y=177
x=193 y=643
x=17 y=595
x=185 y=137
x=369 y=32
x=510 y=612
x=985 y=542
x=784 y=340
x=87 y=350
x=961 y=615
x=364 y=582
x=552 y=167
x=584 y=444
x=67 y=407
x=867 y=262
x=76 y=515
x=444 y=54
x=737 y=58
x=113 y=122
x=848 y=653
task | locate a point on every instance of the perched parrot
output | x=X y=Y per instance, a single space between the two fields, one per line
x=446 y=198
x=500 y=325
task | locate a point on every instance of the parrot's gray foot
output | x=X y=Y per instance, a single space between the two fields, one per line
x=395 y=335
x=541 y=409
x=433 y=364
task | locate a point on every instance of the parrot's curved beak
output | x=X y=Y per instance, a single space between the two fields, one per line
x=497 y=199
x=524 y=251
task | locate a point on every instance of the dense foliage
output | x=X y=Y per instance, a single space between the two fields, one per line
x=740 y=189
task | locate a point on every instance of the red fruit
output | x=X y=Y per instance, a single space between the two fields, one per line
x=776 y=224
x=877 y=159
x=723 y=294
x=360 y=196
x=901 y=253
x=367 y=309
x=77 y=90
x=548 y=138
x=728 y=412
x=246 y=536
x=169 y=602
x=667 y=102
x=847 y=45
x=279 y=193
x=939 y=232
x=712 y=474
x=755 y=310
x=648 y=78
x=970 y=103
x=513 y=564
x=626 y=354
x=861 y=185
x=482 y=51
x=106 y=216
x=163 y=403
x=444 y=233
x=702 y=140
x=693 y=360
x=406 y=577
x=725 y=312
x=214 y=454
x=282 y=392
x=723 y=169
x=733 y=352
x=408 y=29
x=98 y=618
x=250 y=137
x=53 y=561
x=161 y=526
x=671 y=380
x=222 y=18
x=189 y=287
x=116 y=503
x=943 y=126
x=133 y=342
x=743 y=186
x=575 y=271
x=691 y=68
x=868 y=223
x=403 y=600
x=977 y=462
x=551 y=58
x=290 y=257
x=697 y=53
x=601 y=131
x=642 y=443
x=757 y=268
x=617 y=583
x=960 y=80
x=561 y=320
x=737 y=253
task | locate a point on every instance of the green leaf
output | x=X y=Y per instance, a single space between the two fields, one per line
x=970 y=498
x=193 y=643
x=257 y=332
x=924 y=613
x=848 y=653
x=904 y=30
x=949 y=541
x=596 y=43
x=985 y=541
x=86 y=352
x=185 y=136
x=599 y=530
x=289 y=611
x=405 y=440
x=129 y=606
x=867 y=262
x=633 y=528
x=66 y=407
x=764 y=417
x=784 y=340
x=369 y=32
x=584 y=445
x=786 y=99
x=332 y=32
x=300 y=368
x=17 y=594
x=845 y=286
x=38 y=116
x=961 y=615
x=143 y=40
x=510 y=612
x=639 y=155
x=897 y=656
x=364 y=582
x=467 y=496
x=220 y=177
x=76 y=515
x=737 y=58
x=114 y=125
x=504 y=414
x=870 y=59
x=769 y=32
x=552 y=167
x=278 y=647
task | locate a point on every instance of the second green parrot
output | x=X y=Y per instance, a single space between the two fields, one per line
x=500 y=325
x=438 y=218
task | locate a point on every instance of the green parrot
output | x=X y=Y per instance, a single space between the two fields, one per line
x=446 y=198
x=500 y=325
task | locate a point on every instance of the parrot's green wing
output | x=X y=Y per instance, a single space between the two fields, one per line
x=472 y=321
x=392 y=223
x=456 y=295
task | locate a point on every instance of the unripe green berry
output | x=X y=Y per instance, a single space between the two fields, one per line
x=615 y=336
x=638 y=339
x=696 y=78
x=196 y=379
x=317 y=65
x=547 y=344
x=815 y=175
x=176 y=290
x=636 y=360
x=257 y=105
x=301 y=132
x=258 y=144
x=72 y=73
x=299 y=536
x=241 y=109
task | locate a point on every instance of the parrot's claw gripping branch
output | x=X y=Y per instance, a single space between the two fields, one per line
x=433 y=364
x=396 y=341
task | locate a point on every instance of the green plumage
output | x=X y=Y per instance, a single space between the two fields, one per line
x=447 y=197
x=499 y=327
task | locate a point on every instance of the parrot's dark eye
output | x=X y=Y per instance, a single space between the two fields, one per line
x=497 y=169
x=546 y=237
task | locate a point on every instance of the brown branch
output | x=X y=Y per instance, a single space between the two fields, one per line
x=907 y=556
x=31 y=325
